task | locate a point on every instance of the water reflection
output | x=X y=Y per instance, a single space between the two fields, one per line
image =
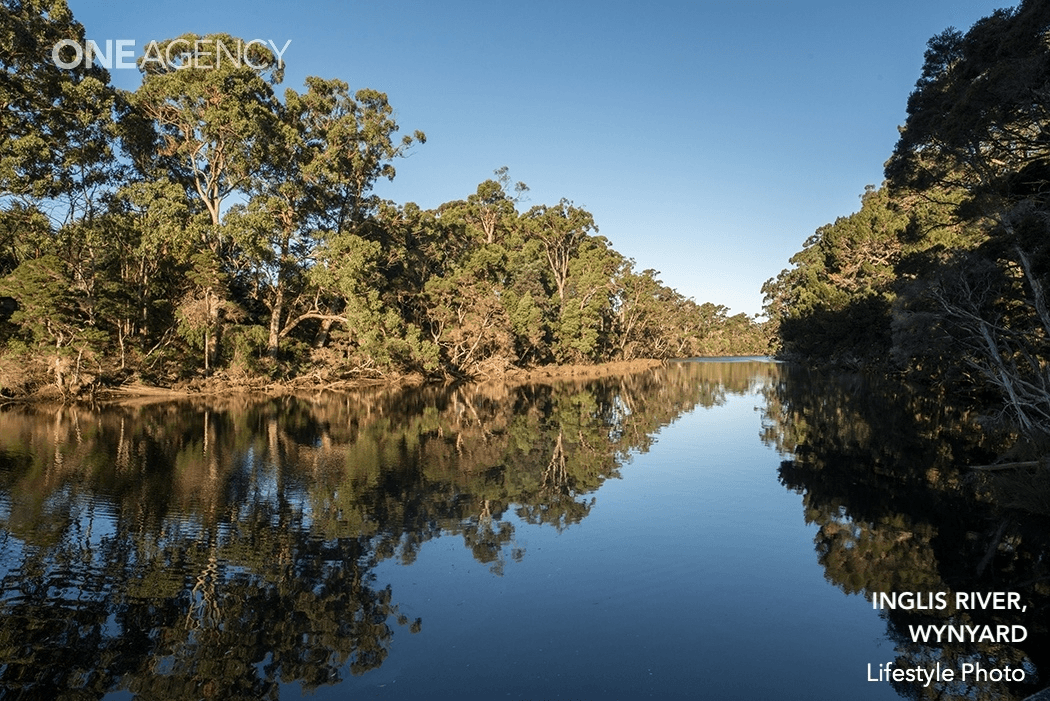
x=218 y=549
x=882 y=473
x=223 y=549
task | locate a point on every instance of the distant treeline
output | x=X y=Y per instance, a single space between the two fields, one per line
x=943 y=274
x=203 y=225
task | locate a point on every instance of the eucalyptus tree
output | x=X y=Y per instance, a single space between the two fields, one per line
x=57 y=117
x=585 y=326
x=486 y=304
x=467 y=316
x=360 y=134
x=153 y=230
x=643 y=314
x=977 y=117
x=205 y=125
x=311 y=199
x=51 y=323
x=561 y=229
x=581 y=266
x=56 y=165
x=492 y=209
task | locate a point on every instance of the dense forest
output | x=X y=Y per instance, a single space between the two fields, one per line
x=204 y=226
x=942 y=276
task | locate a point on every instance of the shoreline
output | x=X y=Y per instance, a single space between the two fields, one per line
x=136 y=393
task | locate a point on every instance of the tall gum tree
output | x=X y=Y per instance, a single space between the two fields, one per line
x=561 y=229
x=56 y=164
x=55 y=121
x=492 y=210
x=206 y=122
x=315 y=191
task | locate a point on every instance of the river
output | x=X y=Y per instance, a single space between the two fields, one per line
x=701 y=530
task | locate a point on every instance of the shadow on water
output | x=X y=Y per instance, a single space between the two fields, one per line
x=883 y=475
x=220 y=549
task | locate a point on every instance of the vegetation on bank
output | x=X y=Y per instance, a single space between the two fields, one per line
x=206 y=226
x=944 y=273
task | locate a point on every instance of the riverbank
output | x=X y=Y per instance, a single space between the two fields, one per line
x=225 y=384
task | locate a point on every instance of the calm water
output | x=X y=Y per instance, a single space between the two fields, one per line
x=702 y=530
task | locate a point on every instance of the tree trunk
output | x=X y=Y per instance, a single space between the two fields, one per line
x=321 y=339
x=275 y=321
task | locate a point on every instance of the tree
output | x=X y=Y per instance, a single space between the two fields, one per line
x=561 y=229
x=204 y=310
x=327 y=151
x=153 y=230
x=466 y=314
x=977 y=116
x=206 y=127
x=584 y=324
x=56 y=122
x=376 y=336
x=56 y=148
x=637 y=297
x=978 y=121
x=491 y=208
x=834 y=304
x=355 y=142
x=51 y=318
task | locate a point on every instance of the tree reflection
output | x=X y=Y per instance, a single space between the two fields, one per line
x=882 y=472
x=221 y=548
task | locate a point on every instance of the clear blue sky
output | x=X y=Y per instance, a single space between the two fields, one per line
x=709 y=139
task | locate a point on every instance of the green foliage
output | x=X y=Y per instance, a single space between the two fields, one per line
x=25 y=232
x=247 y=344
x=527 y=324
x=834 y=304
x=143 y=261
x=490 y=213
x=944 y=272
x=584 y=319
x=977 y=122
x=49 y=311
x=205 y=309
x=55 y=127
x=466 y=314
x=51 y=324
